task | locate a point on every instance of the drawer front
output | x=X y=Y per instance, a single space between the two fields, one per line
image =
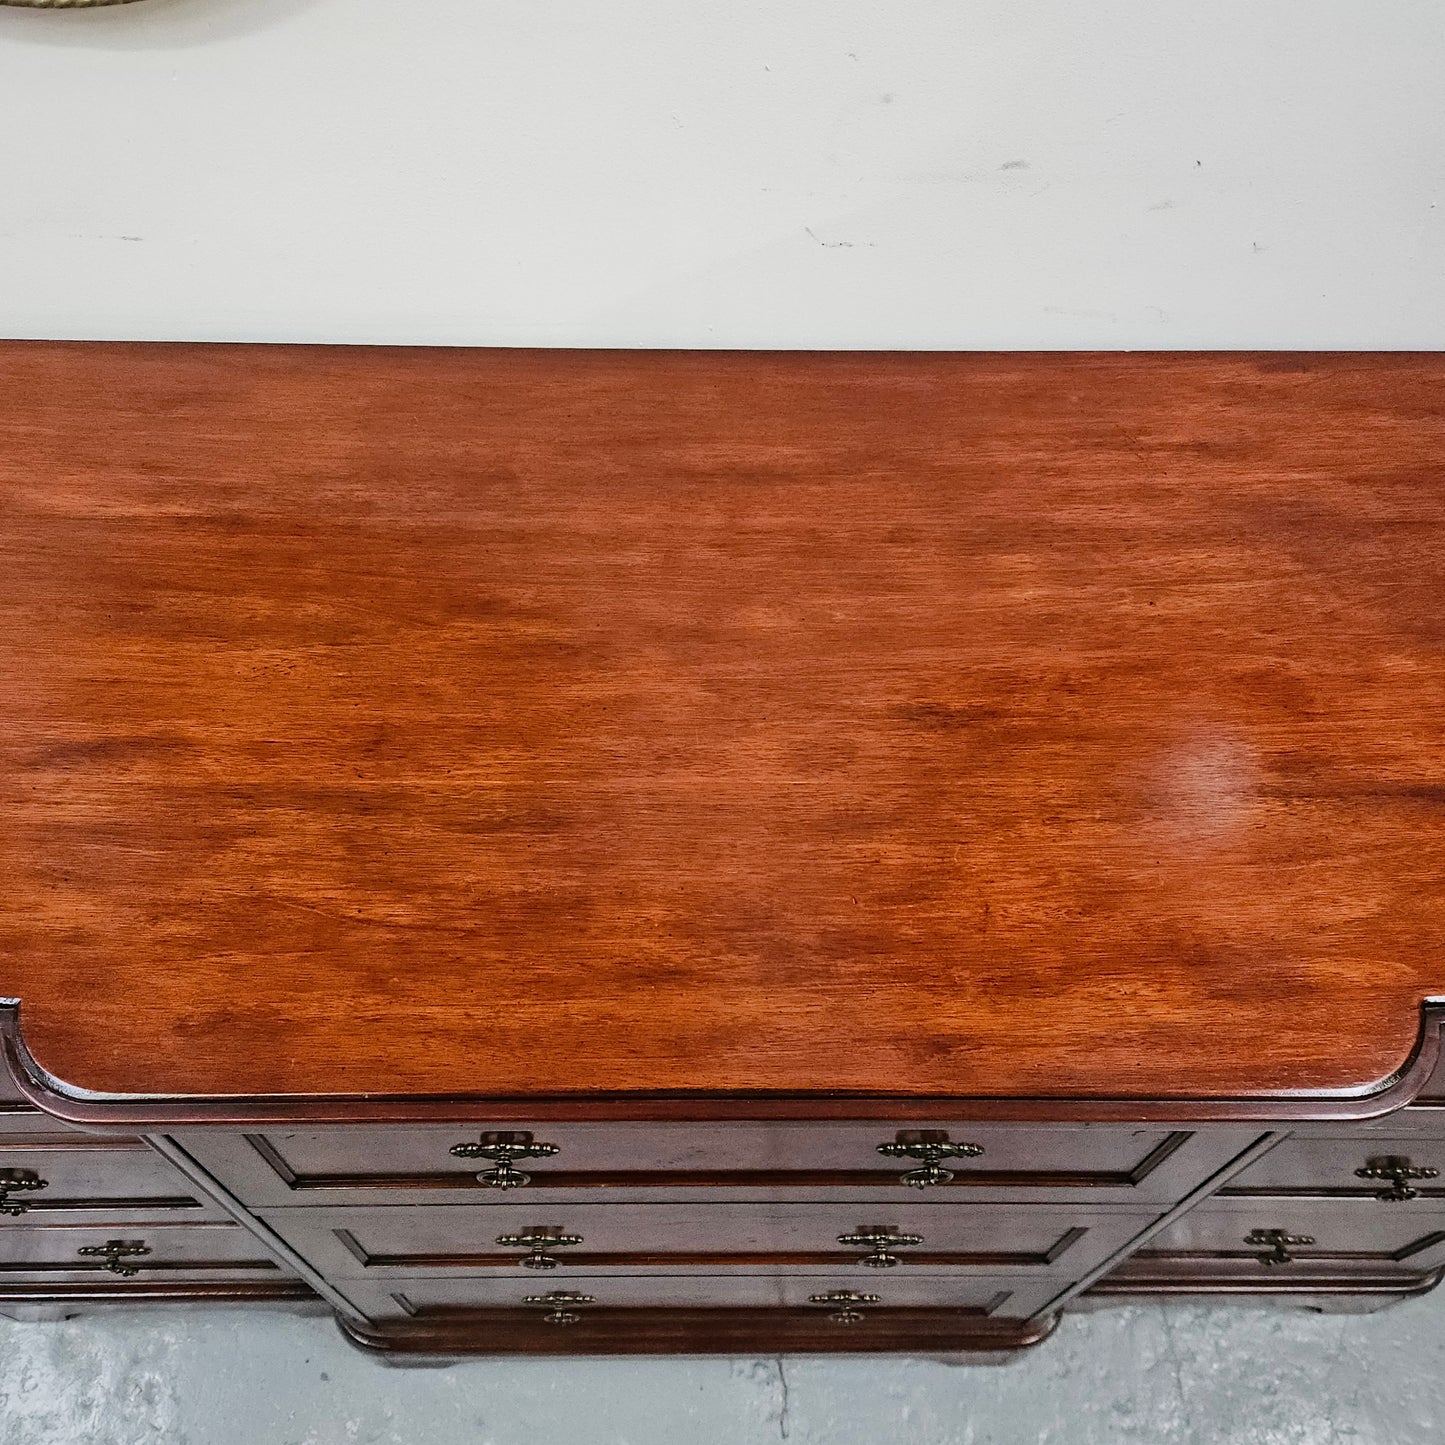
x=1282 y=1237
x=415 y=1164
x=53 y=1176
x=145 y=1254
x=681 y=1238
x=1395 y=1169
x=986 y=1296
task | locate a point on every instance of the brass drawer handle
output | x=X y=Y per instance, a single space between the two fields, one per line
x=1277 y=1243
x=1397 y=1171
x=503 y=1148
x=928 y=1146
x=539 y=1238
x=879 y=1239
x=561 y=1305
x=115 y=1250
x=12 y=1180
x=844 y=1304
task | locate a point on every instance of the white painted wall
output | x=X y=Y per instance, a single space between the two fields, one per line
x=858 y=173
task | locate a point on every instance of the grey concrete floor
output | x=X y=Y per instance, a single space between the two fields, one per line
x=1177 y=1377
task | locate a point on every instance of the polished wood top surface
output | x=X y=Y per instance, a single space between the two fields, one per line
x=434 y=721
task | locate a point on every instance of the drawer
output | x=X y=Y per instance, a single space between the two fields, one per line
x=52 y=1175
x=1297 y=1236
x=1395 y=1169
x=443 y=1240
x=1107 y=1164
x=76 y=1253
x=987 y=1296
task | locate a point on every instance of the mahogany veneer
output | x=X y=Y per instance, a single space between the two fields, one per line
x=519 y=723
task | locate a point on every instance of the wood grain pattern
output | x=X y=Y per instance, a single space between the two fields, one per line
x=535 y=723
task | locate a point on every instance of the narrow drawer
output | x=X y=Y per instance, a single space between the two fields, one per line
x=986 y=1296
x=1396 y=1170
x=445 y=1240
x=143 y=1253
x=53 y=1176
x=1106 y=1164
x=1280 y=1238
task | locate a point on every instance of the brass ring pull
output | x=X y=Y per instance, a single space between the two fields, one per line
x=1277 y=1244
x=539 y=1238
x=503 y=1148
x=844 y=1304
x=1397 y=1171
x=879 y=1240
x=115 y=1250
x=929 y=1146
x=561 y=1305
x=18 y=1180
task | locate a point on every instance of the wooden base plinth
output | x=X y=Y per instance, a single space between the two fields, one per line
x=955 y=1334
x=1326 y=1294
x=35 y=1303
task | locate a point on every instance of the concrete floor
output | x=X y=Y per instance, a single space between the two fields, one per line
x=1150 y=1376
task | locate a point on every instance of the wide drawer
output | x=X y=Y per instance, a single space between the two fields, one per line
x=1280 y=1237
x=49 y=1175
x=358 y=1164
x=996 y=1296
x=1395 y=1169
x=79 y=1252
x=441 y=1240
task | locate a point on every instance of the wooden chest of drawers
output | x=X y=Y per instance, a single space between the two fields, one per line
x=556 y=852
